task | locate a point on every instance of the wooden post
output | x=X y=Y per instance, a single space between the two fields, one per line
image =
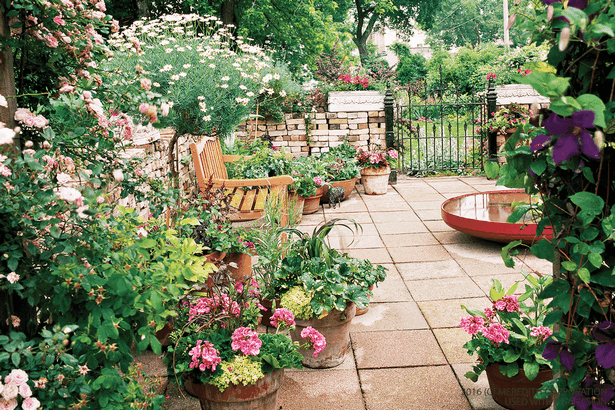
x=7 y=79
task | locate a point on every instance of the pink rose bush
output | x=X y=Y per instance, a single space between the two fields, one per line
x=509 y=333
x=15 y=389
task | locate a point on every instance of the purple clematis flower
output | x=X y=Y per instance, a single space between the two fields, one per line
x=554 y=350
x=579 y=4
x=541 y=141
x=594 y=396
x=571 y=131
x=605 y=352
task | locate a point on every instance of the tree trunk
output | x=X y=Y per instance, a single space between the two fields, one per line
x=7 y=79
x=227 y=12
x=362 y=47
x=142 y=9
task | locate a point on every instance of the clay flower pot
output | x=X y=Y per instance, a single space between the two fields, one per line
x=375 y=180
x=347 y=184
x=517 y=393
x=335 y=327
x=312 y=203
x=259 y=396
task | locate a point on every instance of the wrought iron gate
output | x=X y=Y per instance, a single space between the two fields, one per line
x=436 y=129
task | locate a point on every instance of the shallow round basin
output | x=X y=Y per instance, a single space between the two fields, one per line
x=484 y=215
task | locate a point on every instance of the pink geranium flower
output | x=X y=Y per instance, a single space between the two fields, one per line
x=204 y=356
x=496 y=333
x=246 y=340
x=282 y=316
x=473 y=324
x=316 y=338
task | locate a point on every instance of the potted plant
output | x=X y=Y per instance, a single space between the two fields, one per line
x=342 y=169
x=509 y=339
x=322 y=288
x=308 y=182
x=221 y=358
x=375 y=169
x=506 y=119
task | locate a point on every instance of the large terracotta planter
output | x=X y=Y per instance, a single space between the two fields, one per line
x=243 y=261
x=297 y=203
x=335 y=327
x=259 y=396
x=312 y=203
x=375 y=180
x=347 y=184
x=266 y=315
x=517 y=393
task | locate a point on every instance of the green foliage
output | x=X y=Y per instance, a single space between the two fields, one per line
x=328 y=278
x=519 y=348
x=411 y=66
x=576 y=188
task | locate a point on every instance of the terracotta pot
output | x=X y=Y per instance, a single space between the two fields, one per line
x=260 y=396
x=163 y=335
x=243 y=261
x=347 y=184
x=364 y=311
x=517 y=393
x=335 y=327
x=311 y=203
x=375 y=180
x=298 y=202
x=266 y=315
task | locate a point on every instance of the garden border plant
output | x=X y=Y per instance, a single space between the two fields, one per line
x=568 y=163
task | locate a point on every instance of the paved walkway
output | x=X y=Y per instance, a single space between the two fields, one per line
x=407 y=349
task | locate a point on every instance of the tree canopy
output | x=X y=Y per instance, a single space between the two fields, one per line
x=472 y=23
x=400 y=15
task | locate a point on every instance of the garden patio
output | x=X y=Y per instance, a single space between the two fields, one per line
x=407 y=349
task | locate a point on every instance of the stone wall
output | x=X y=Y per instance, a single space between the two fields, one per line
x=315 y=133
x=300 y=135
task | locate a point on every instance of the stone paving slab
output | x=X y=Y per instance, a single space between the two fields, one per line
x=413 y=388
x=450 y=237
x=389 y=316
x=377 y=256
x=417 y=204
x=448 y=313
x=367 y=229
x=429 y=253
x=392 y=289
x=479 y=393
x=411 y=197
x=390 y=228
x=359 y=217
x=375 y=350
x=409 y=239
x=440 y=289
x=362 y=242
x=334 y=390
x=430 y=270
x=438 y=226
x=429 y=214
x=451 y=342
x=396 y=216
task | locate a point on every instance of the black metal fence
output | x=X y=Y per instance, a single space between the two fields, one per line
x=436 y=129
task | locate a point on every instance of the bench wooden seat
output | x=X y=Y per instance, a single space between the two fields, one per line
x=249 y=195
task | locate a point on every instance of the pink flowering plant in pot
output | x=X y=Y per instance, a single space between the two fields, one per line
x=374 y=159
x=510 y=333
x=215 y=339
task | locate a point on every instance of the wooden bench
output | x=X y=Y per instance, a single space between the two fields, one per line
x=249 y=195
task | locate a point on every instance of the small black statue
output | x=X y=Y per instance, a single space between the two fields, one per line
x=335 y=194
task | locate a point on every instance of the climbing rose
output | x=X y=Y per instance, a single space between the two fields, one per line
x=316 y=338
x=31 y=403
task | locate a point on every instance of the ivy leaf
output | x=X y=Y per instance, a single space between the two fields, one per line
x=570 y=266
x=508 y=251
